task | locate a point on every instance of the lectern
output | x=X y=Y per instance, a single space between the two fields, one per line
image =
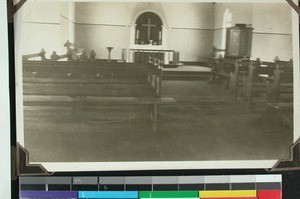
x=238 y=41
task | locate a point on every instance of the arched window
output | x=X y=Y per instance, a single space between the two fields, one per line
x=148 y=29
x=227 y=22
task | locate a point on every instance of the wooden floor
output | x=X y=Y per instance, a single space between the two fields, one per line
x=203 y=125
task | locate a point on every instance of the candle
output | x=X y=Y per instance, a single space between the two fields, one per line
x=159 y=35
x=137 y=34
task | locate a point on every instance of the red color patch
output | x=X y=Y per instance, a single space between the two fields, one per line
x=269 y=194
x=232 y=198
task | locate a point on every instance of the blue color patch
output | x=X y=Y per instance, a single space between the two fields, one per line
x=108 y=194
x=48 y=194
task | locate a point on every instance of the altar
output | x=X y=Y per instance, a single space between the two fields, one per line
x=153 y=55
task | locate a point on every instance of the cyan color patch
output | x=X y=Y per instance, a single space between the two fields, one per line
x=108 y=194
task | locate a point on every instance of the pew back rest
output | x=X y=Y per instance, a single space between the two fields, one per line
x=255 y=89
x=241 y=67
x=53 y=69
x=228 y=65
x=280 y=87
x=223 y=66
x=89 y=79
x=258 y=71
x=283 y=76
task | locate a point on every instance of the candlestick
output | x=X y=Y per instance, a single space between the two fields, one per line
x=109 y=51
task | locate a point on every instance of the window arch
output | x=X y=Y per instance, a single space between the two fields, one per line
x=227 y=22
x=148 y=29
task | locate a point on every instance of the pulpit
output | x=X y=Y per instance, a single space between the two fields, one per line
x=238 y=41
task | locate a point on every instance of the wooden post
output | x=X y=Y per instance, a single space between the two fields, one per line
x=154 y=83
x=155 y=117
x=274 y=86
x=149 y=78
x=159 y=82
x=234 y=79
x=249 y=84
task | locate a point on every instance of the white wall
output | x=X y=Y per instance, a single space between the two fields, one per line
x=43 y=26
x=240 y=12
x=108 y=24
x=191 y=28
x=101 y=25
x=273 y=31
x=272 y=27
x=67 y=18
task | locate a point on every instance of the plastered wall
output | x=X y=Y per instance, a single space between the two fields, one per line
x=191 y=28
x=271 y=23
x=99 y=25
x=45 y=25
x=273 y=31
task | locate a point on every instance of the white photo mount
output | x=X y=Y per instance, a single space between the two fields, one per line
x=275 y=165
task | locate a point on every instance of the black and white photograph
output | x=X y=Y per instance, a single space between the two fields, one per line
x=156 y=81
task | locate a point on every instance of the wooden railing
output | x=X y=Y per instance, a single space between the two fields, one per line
x=40 y=55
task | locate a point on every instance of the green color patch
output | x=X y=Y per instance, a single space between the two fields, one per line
x=168 y=194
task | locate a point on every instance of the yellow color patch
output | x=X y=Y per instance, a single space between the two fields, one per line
x=227 y=193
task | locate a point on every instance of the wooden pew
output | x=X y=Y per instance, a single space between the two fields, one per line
x=83 y=84
x=76 y=69
x=255 y=89
x=280 y=87
x=280 y=94
x=55 y=57
x=40 y=55
x=237 y=78
x=221 y=69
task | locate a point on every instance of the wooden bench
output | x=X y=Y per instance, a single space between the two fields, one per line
x=255 y=89
x=40 y=55
x=237 y=78
x=221 y=69
x=77 y=103
x=280 y=94
x=80 y=84
x=280 y=87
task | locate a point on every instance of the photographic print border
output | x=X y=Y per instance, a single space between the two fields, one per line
x=168 y=165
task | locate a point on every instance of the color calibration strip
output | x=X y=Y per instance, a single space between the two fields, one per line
x=156 y=187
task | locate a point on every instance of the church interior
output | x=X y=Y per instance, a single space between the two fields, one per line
x=155 y=81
